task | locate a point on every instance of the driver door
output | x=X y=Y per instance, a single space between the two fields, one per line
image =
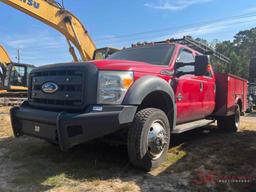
x=188 y=91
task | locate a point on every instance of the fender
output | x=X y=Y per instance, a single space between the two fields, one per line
x=146 y=85
x=238 y=98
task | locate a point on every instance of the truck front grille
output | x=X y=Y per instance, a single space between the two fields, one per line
x=70 y=93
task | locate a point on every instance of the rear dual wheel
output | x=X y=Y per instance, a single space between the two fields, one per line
x=231 y=123
x=148 y=139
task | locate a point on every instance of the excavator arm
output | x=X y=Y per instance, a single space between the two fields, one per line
x=54 y=15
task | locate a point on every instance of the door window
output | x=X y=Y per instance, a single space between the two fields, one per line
x=186 y=56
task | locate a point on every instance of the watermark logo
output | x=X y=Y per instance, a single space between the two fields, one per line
x=205 y=178
x=210 y=178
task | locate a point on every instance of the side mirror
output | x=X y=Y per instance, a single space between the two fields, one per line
x=201 y=65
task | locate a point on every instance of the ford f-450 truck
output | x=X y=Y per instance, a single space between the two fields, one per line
x=147 y=92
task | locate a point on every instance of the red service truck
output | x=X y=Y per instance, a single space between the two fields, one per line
x=142 y=94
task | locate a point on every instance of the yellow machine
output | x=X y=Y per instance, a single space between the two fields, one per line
x=4 y=57
x=53 y=14
x=13 y=76
x=4 y=62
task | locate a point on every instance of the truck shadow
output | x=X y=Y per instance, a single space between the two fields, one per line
x=39 y=166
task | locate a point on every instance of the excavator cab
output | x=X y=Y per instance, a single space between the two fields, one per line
x=103 y=53
x=15 y=78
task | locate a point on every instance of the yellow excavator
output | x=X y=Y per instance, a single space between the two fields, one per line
x=55 y=15
x=13 y=76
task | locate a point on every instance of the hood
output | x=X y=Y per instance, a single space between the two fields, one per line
x=124 y=65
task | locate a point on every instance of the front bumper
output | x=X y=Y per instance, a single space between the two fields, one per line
x=70 y=129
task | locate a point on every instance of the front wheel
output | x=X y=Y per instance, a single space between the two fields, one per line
x=148 y=139
x=231 y=123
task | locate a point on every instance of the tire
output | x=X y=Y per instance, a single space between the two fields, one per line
x=231 y=123
x=148 y=139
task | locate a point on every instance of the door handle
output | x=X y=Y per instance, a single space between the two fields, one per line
x=201 y=86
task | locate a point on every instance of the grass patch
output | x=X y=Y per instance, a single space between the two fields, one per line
x=175 y=154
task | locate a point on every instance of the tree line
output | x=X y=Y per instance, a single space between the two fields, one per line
x=240 y=50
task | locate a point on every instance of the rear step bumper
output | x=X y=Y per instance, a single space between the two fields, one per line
x=70 y=129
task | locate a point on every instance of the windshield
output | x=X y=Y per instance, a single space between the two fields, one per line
x=156 y=55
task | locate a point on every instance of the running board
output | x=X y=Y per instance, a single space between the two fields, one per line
x=192 y=125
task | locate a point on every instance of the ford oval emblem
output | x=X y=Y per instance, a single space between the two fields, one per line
x=50 y=87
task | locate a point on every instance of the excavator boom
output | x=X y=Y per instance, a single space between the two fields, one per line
x=54 y=15
x=4 y=57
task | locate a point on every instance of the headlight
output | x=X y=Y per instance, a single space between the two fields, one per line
x=113 y=85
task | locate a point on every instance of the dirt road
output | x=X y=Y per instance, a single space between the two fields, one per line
x=202 y=160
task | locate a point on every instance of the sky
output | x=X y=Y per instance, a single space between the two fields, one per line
x=119 y=23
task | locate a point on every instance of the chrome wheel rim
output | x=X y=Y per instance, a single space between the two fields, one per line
x=157 y=139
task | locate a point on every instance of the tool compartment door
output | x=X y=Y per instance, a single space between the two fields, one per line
x=230 y=89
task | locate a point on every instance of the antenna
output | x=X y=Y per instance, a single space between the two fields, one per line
x=18 y=55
